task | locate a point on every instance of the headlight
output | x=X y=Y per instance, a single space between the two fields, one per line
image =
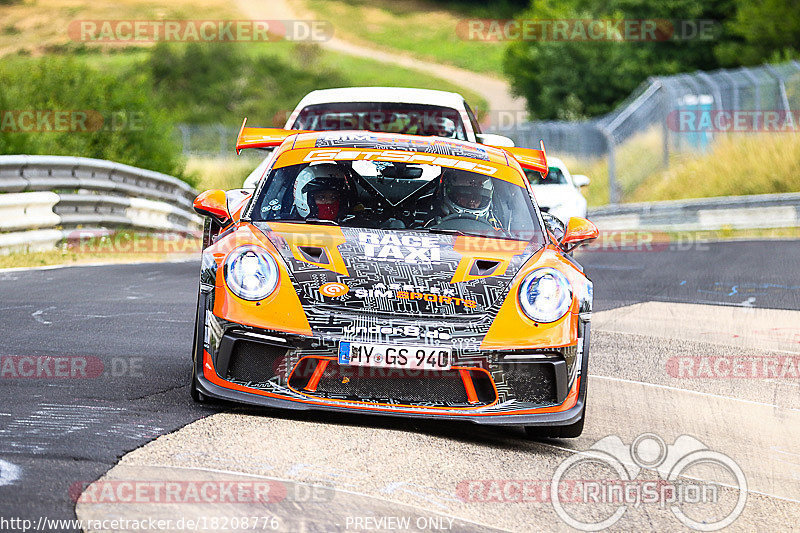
x=251 y=273
x=545 y=295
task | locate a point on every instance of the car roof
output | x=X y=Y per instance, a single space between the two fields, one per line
x=384 y=94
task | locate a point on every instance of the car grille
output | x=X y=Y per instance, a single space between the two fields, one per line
x=533 y=383
x=393 y=386
x=253 y=362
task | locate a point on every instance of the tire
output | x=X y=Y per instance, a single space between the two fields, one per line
x=557 y=432
x=194 y=391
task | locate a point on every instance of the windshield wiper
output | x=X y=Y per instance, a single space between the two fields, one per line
x=450 y=231
x=309 y=220
x=321 y=221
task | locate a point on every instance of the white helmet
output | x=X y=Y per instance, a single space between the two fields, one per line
x=467 y=192
x=318 y=178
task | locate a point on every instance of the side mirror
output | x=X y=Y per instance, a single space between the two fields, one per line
x=580 y=180
x=214 y=204
x=491 y=139
x=579 y=231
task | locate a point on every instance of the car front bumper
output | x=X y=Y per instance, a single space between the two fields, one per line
x=214 y=379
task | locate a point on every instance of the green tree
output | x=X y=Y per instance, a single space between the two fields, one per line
x=124 y=123
x=768 y=30
x=569 y=79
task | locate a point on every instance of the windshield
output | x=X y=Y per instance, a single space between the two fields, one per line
x=391 y=195
x=554 y=177
x=389 y=117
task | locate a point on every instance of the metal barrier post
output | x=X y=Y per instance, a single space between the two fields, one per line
x=781 y=87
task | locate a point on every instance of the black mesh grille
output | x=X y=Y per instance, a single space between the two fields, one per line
x=254 y=362
x=431 y=388
x=530 y=382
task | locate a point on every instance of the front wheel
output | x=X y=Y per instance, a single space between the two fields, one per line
x=194 y=391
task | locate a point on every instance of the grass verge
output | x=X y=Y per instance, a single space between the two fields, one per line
x=425 y=30
x=221 y=173
x=735 y=165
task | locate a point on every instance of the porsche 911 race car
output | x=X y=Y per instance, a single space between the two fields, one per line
x=393 y=274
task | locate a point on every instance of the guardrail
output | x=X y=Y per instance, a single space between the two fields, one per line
x=734 y=212
x=48 y=197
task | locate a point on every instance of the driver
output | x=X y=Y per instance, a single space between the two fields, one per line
x=322 y=191
x=467 y=194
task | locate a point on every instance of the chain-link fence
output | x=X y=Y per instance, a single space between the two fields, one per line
x=670 y=114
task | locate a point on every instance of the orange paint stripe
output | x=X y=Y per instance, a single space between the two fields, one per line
x=317 y=375
x=466 y=379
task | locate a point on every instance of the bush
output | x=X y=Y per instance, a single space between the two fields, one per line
x=134 y=129
x=213 y=83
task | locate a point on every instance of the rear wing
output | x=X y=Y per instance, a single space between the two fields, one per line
x=530 y=158
x=250 y=137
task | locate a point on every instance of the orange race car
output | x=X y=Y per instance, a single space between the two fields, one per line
x=393 y=274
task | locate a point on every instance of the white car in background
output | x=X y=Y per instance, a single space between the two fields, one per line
x=403 y=110
x=559 y=194
x=391 y=110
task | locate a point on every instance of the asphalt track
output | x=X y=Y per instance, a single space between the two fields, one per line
x=131 y=327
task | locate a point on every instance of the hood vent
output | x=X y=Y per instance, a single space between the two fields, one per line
x=314 y=254
x=483 y=267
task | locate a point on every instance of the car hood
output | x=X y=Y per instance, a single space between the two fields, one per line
x=553 y=195
x=397 y=272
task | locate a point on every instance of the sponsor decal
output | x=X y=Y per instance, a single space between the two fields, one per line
x=402 y=331
x=397 y=156
x=405 y=248
x=411 y=292
x=375 y=142
x=436 y=298
x=334 y=290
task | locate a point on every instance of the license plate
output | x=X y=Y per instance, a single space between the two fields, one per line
x=393 y=356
